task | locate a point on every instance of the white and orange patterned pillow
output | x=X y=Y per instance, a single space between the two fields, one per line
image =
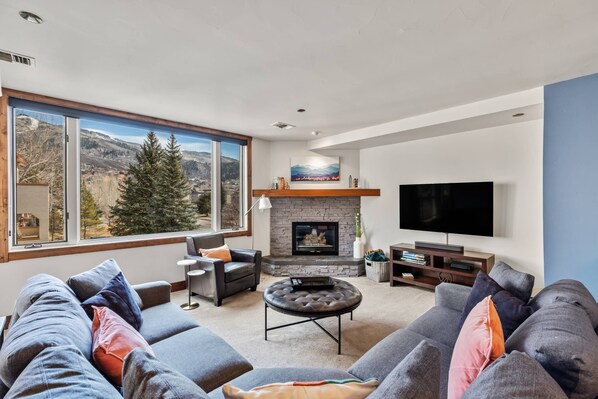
x=326 y=389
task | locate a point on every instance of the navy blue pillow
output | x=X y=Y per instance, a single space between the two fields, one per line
x=117 y=297
x=511 y=310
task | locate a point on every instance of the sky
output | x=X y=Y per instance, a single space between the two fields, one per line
x=136 y=135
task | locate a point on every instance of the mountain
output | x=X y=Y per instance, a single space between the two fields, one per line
x=102 y=154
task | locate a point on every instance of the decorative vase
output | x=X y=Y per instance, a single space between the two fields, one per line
x=357 y=248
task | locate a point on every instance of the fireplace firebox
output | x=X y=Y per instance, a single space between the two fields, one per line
x=315 y=238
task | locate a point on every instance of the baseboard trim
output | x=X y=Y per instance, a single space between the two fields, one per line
x=178 y=286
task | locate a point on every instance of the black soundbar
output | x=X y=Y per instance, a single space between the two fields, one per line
x=441 y=247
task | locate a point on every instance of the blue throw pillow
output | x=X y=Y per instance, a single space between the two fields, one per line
x=117 y=297
x=512 y=311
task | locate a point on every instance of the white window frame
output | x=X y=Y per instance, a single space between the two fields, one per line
x=73 y=189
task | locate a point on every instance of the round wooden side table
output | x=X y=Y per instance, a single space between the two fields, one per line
x=187 y=263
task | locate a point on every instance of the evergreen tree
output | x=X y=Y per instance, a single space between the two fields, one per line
x=177 y=213
x=90 y=213
x=137 y=210
x=204 y=203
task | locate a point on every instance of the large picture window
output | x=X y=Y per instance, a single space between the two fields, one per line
x=80 y=177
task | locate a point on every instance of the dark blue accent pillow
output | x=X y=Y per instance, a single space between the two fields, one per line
x=117 y=297
x=511 y=310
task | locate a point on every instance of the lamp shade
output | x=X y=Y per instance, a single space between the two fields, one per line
x=264 y=203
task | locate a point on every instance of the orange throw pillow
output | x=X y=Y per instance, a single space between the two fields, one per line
x=222 y=252
x=480 y=342
x=113 y=339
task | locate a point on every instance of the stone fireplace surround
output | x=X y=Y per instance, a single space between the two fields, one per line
x=286 y=210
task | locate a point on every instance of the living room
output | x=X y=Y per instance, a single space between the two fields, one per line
x=396 y=94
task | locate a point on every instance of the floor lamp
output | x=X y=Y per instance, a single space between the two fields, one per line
x=264 y=203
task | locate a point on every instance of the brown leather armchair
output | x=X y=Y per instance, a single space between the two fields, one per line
x=223 y=279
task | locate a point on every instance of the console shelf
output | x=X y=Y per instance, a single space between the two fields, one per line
x=438 y=268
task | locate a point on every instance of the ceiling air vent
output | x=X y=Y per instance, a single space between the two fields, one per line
x=17 y=58
x=282 y=125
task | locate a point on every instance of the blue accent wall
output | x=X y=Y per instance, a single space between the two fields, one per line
x=571 y=181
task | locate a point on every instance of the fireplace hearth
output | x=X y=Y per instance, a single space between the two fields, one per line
x=315 y=238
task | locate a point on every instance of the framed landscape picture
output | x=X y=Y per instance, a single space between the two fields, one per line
x=315 y=168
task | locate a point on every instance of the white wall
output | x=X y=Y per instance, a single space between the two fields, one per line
x=510 y=155
x=280 y=163
x=139 y=264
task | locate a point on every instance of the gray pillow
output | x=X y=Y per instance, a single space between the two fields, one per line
x=61 y=372
x=33 y=288
x=89 y=283
x=514 y=376
x=146 y=377
x=517 y=283
x=417 y=376
x=56 y=318
x=570 y=291
x=561 y=338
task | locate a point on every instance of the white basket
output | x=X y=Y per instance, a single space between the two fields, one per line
x=377 y=271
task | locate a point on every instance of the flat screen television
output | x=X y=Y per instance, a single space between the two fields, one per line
x=459 y=208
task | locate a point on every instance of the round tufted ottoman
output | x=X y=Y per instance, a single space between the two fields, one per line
x=314 y=304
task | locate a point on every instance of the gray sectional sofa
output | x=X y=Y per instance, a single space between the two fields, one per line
x=554 y=354
x=48 y=314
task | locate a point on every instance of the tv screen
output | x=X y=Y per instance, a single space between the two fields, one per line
x=459 y=208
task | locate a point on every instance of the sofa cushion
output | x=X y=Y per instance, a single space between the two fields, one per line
x=346 y=389
x=416 y=376
x=265 y=376
x=202 y=356
x=517 y=283
x=56 y=318
x=514 y=376
x=570 y=291
x=480 y=343
x=439 y=324
x=379 y=361
x=35 y=287
x=116 y=296
x=236 y=270
x=61 y=372
x=452 y=296
x=561 y=338
x=511 y=310
x=87 y=284
x=164 y=321
x=144 y=376
x=113 y=340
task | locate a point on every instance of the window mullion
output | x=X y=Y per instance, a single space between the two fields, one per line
x=216 y=187
x=72 y=180
x=243 y=185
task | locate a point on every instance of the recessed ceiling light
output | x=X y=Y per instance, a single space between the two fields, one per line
x=301 y=110
x=30 y=17
x=517 y=115
x=315 y=133
x=282 y=125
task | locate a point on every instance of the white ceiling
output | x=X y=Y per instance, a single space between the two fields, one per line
x=241 y=65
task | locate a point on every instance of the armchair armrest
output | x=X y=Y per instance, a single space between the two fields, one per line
x=452 y=296
x=153 y=293
x=245 y=255
x=207 y=263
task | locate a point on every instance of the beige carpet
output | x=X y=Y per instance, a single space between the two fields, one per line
x=240 y=321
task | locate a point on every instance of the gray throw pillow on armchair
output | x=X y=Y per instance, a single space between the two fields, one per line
x=417 y=376
x=146 y=377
